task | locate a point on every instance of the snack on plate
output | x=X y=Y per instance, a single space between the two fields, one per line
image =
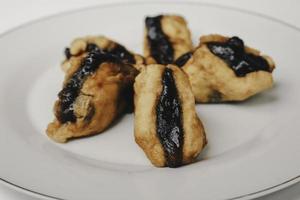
x=82 y=45
x=98 y=87
x=224 y=69
x=166 y=38
x=104 y=80
x=166 y=125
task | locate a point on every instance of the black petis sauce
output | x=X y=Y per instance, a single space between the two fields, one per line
x=169 y=121
x=68 y=53
x=122 y=53
x=119 y=51
x=183 y=59
x=160 y=47
x=92 y=47
x=233 y=53
x=71 y=90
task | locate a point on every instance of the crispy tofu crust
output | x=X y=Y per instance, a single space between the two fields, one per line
x=100 y=102
x=176 y=29
x=148 y=88
x=212 y=80
x=78 y=47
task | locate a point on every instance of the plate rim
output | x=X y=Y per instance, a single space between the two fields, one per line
x=255 y=194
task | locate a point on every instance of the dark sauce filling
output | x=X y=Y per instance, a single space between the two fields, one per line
x=160 y=47
x=92 y=47
x=71 y=90
x=119 y=51
x=67 y=53
x=233 y=53
x=122 y=53
x=183 y=59
x=169 y=121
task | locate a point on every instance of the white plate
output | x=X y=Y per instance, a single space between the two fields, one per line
x=253 y=146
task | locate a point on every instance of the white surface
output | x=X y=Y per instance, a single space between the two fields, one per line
x=47 y=7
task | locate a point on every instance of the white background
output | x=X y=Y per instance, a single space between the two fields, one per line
x=16 y=12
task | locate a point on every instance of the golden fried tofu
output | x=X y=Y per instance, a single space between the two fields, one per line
x=166 y=38
x=83 y=45
x=97 y=89
x=166 y=125
x=224 y=69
